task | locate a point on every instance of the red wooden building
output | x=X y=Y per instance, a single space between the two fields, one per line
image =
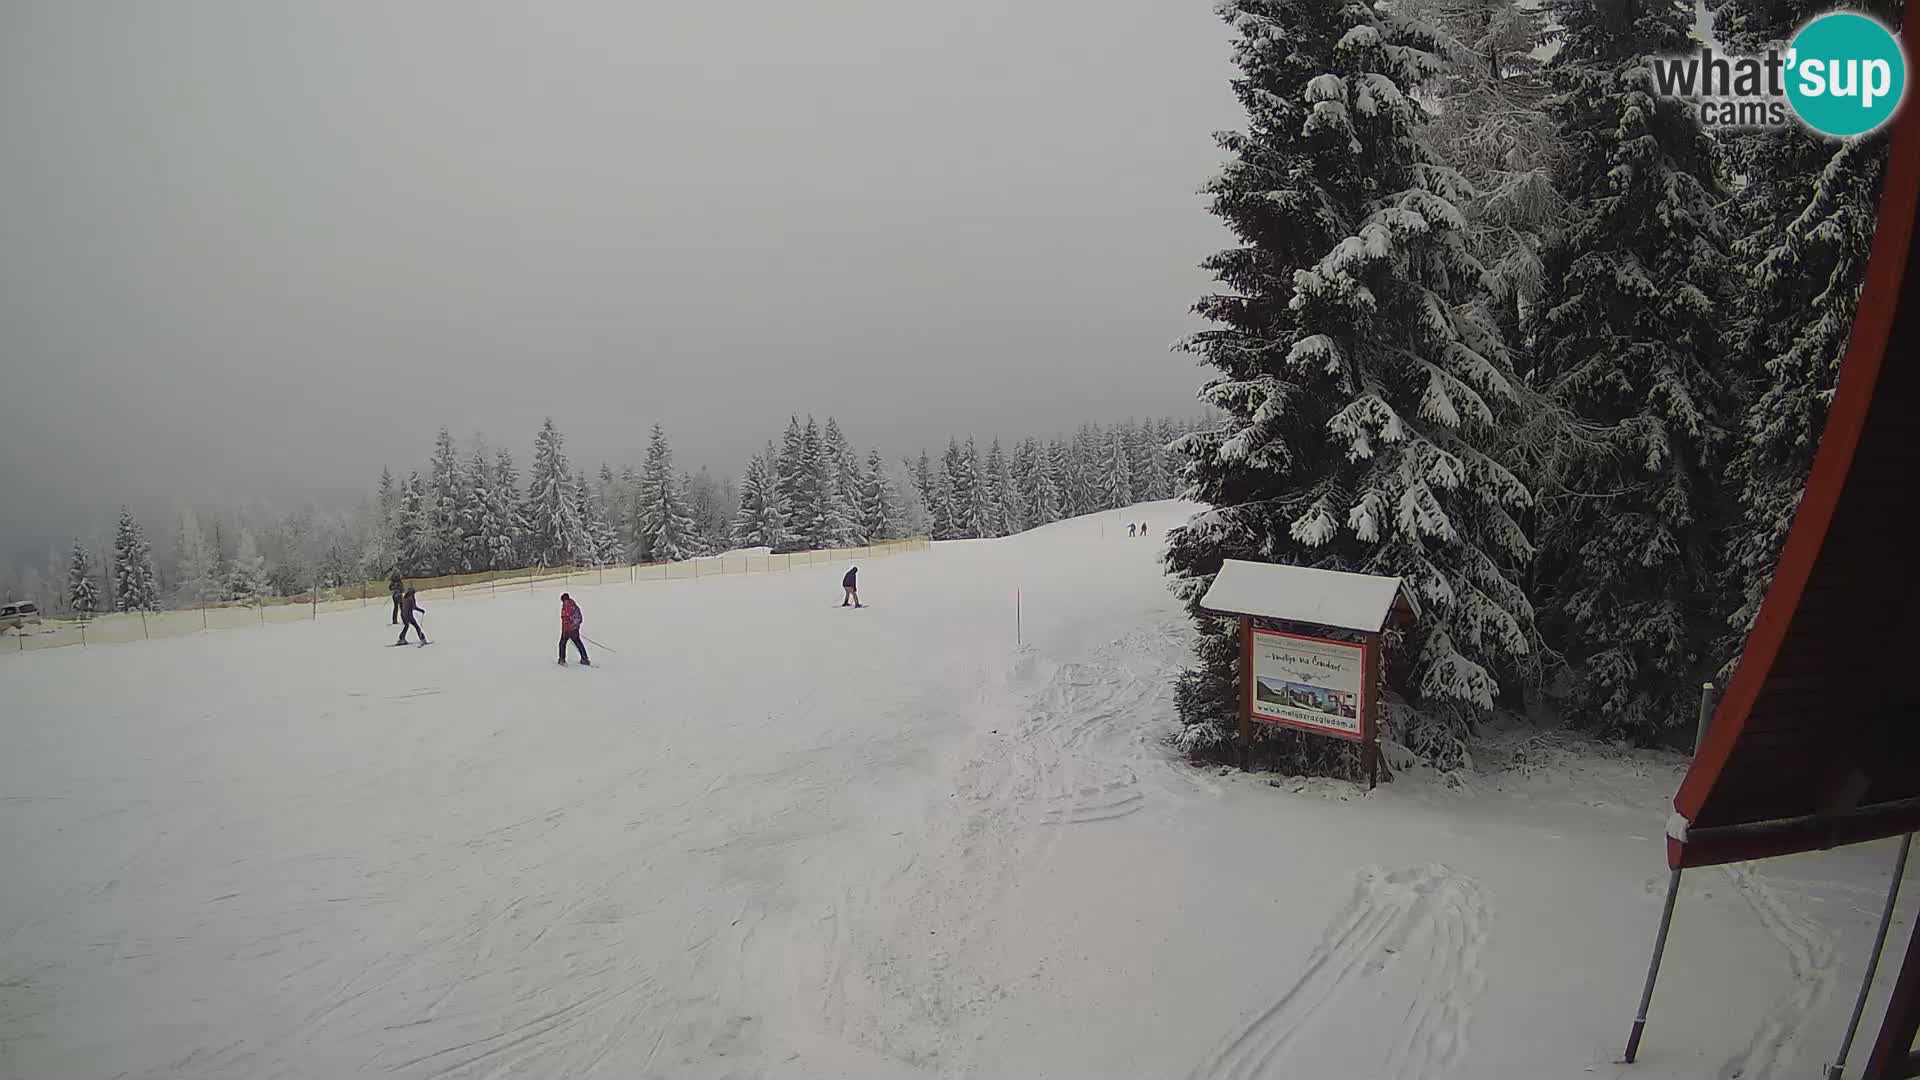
x=1816 y=741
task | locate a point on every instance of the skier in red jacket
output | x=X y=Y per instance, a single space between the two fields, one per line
x=570 y=629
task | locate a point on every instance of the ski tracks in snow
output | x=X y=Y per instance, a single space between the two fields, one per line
x=1091 y=734
x=1427 y=915
x=1810 y=955
x=905 y=964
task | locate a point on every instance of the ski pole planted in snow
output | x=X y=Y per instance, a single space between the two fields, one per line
x=597 y=645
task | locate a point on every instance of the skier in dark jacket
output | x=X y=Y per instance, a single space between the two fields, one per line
x=851 y=585
x=409 y=607
x=395 y=587
x=570 y=620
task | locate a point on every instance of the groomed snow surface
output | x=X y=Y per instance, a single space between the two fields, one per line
x=769 y=837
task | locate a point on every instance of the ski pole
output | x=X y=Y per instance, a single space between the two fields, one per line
x=597 y=645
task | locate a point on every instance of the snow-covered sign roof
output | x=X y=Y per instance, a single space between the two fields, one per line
x=1302 y=594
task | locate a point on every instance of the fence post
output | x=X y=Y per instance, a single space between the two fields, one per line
x=83 y=633
x=203 y=618
x=1705 y=718
x=144 y=636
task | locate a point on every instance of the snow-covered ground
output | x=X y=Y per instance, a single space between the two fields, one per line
x=771 y=838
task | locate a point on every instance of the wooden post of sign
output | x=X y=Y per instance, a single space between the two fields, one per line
x=1246 y=693
x=1372 y=680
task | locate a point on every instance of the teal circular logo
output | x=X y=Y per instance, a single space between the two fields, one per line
x=1846 y=74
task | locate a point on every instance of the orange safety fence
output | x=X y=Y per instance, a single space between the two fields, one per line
x=143 y=626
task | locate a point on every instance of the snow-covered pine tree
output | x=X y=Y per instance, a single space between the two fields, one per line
x=992 y=497
x=1359 y=404
x=762 y=520
x=196 y=581
x=943 y=511
x=977 y=513
x=1075 y=494
x=1136 y=443
x=956 y=483
x=513 y=548
x=712 y=518
x=666 y=527
x=1050 y=492
x=614 y=496
x=840 y=485
x=478 y=527
x=412 y=545
x=217 y=534
x=1493 y=125
x=1092 y=453
x=580 y=491
x=1153 y=482
x=847 y=483
x=880 y=509
x=1630 y=341
x=1170 y=460
x=554 y=529
x=923 y=481
x=828 y=525
x=604 y=487
x=1119 y=471
x=1095 y=457
x=135 y=586
x=291 y=546
x=439 y=546
x=389 y=505
x=1024 y=468
x=248 y=579
x=728 y=507
x=83 y=592
x=858 y=483
x=1805 y=214
x=340 y=563
x=1013 y=507
x=603 y=544
x=801 y=509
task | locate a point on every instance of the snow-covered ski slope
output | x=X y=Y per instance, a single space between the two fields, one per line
x=768 y=837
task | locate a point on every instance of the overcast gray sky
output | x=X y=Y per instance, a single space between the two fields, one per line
x=261 y=248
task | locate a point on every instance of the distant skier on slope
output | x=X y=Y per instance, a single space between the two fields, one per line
x=395 y=586
x=570 y=620
x=409 y=607
x=1130 y=528
x=852 y=587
